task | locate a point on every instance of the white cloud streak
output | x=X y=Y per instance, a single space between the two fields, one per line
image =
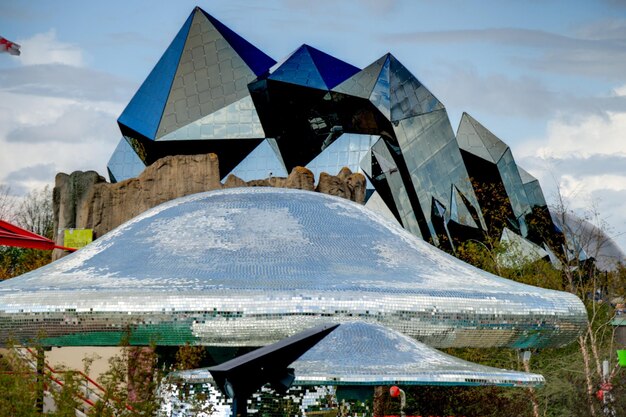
x=583 y=160
x=45 y=48
x=56 y=115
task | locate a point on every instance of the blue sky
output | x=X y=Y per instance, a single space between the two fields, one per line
x=547 y=77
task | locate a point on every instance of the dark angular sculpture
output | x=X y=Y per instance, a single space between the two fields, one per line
x=240 y=377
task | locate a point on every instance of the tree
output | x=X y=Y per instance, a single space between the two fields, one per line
x=35 y=212
x=568 y=391
x=17 y=387
x=7 y=203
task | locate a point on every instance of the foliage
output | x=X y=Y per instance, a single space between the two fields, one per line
x=17 y=261
x=18 y=387
x=7 y=204
x=67 y=399
x=573 y=373
x=34 y=213
x=189 y=357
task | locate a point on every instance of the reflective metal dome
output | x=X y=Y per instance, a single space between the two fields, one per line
x=251 y=266
x=359 y=353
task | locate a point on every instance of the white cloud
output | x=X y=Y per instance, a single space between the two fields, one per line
x=620 y=91
x=59 y=80
x=583 y=160
x=45 y=48
x=572 y=186
x=58 y=134
x=55 y=114
x=585 y=137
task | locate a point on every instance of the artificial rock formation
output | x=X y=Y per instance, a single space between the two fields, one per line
x=86 y=200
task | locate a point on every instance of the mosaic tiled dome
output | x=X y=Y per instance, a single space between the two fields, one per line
x=251 y=266
x=359 y=353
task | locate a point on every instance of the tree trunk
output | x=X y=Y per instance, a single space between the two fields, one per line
x=583 y=348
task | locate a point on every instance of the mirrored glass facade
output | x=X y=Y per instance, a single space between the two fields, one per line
x=263 y=162
x=506 y=188
x=213 y=91
x=124 y=163
x=347 y=151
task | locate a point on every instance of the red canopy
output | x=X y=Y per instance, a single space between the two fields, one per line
x=11 y=235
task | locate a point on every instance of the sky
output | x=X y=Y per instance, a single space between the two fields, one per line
x=547 y=77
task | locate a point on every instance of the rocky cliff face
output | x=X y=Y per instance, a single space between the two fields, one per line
x=86 y=200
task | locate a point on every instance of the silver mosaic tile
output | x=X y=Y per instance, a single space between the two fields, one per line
x=359 y=353
x=252 y=266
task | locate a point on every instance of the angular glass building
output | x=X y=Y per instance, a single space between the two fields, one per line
x=213 y=91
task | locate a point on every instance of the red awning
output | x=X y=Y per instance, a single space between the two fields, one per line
x=11 y=235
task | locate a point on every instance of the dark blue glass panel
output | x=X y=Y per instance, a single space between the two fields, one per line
x=333 y=70
x=124 y=163
x=300 y=69
x=258 y=62
x=144 y=111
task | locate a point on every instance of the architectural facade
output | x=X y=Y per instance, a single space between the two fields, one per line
x=213 y=91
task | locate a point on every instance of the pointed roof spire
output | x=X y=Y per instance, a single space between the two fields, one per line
x=476 y=139
x=143 y=112
x=409 y=97
x=313 y=68
x=256 y=59
x=332 y=70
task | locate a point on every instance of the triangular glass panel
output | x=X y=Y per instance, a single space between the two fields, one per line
x=438 y=209
x=532 y=188
x=378 y=205
x=366 y=163
x=124 y=163
x=254 y=58
x=274 y=145
x=236 y=121
x=525 y=176
x=474 y=138
x=380 y=94
x=409 y=97
x=386 y=165
x=299 y=69
x=459 y=212
x=347 y=151
x=519 y=251
x=362 y=83
x=554 y=260
x=210 y=76
x=332 y=70
x=263 y=162
x=143 y=112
